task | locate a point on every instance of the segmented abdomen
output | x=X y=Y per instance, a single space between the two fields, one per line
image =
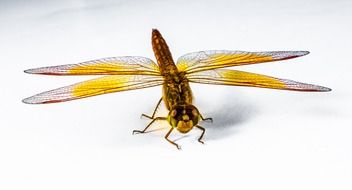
x=163 y=54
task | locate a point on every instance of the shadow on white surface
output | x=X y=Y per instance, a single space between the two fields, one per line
x=229 y=116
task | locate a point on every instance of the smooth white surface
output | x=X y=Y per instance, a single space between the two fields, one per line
x=260 y=138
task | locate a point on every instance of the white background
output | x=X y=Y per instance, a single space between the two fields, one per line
x=260 y=138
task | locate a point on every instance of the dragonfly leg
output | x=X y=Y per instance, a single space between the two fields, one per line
x=156 y=108
x=170 y=141
x=206 y=119
x=201 y=136
x=143 y=131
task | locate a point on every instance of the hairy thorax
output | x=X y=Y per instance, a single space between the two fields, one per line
x=176 y=90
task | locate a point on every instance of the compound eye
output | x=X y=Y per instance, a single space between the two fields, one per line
x=194 y=112
x=173 y=113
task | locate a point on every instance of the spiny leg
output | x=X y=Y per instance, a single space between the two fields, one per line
x=206 y=119
x=156 y=108
x=172 y=142
x=201 y=136
x=143 y=131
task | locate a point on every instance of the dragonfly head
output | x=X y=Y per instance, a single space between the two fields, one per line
x=183 y=117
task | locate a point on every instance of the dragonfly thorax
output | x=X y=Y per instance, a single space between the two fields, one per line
x=183 y=117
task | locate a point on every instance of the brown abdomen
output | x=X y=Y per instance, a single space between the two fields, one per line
x=163 y=54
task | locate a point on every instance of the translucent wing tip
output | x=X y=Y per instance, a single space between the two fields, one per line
x=53 y=96
x=30 y=100
x=321 y=89
x=37 y=71
x=299 y=53
x=293 y=85
x=302 y=53
x=324 y=89
x=289 y=54
x=35 y=100
x=29 y=71
x=45 y=71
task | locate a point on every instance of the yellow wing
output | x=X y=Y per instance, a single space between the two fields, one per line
x=129 y=65
x=103 y=85
x=214 y=59
x=240 y=78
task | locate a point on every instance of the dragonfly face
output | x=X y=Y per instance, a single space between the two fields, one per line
x=183 y=118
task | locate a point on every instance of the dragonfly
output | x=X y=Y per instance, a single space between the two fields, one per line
x=135 y=72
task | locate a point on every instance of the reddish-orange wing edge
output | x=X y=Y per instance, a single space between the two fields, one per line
x=94 y=87
x=128 y=65
x=241 y=78
x=215 y=59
